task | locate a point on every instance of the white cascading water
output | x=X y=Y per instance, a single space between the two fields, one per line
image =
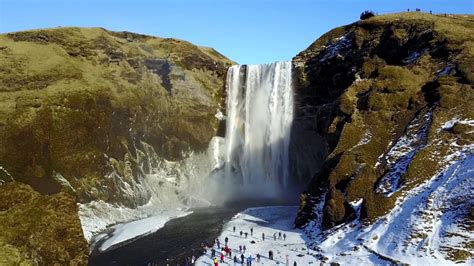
x=259 y=118
x=252 y=161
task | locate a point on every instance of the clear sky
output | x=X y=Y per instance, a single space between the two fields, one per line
x=246 y=31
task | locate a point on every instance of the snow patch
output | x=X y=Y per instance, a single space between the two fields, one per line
x=131 y=230
x=365 y=139
x=339 y=44
x=413 y=57
x=424 y=225
x=2 y=169
x=402 y=153
x=449 y=124
x=445 y=71
x=63 y=181
x=219 y=115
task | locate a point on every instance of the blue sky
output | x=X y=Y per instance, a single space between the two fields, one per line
x=248 y=32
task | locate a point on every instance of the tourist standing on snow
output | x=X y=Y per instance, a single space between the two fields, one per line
x=242 y=257
x=226 y=249
x=222 y=256
x=218 y=243
x=294 y=264
x=279 y=235
x=241 y=233
x=216 y=262
x=234 y=228
x=258 y=257
x=284 y=236
x=270 y=254
x=249 y=260
x=246 y=234
x=226 y=240
x=240 y=248
x=244 y=248
x=235 y=260
x=275 y=236
x=263 y=236
x=287 y=261
x=251 y=231
x=213 y=252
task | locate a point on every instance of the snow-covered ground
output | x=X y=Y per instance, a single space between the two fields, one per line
x=426 y=222
x=270 y=221
x=127 y=231
x=401 y=154
x=430 y=223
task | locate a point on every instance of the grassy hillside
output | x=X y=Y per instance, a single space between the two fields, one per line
x=79 y=107
x=380 y=93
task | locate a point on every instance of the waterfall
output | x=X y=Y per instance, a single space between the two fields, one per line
x=259 y=118
x=252 y=160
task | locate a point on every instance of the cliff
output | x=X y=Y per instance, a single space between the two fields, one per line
x=109 y=121
x=388 y=101
x=86 y=114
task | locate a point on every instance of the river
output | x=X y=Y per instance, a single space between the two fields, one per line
x=178 y=239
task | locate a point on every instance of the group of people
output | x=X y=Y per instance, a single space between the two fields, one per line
x=280 y=235
x=225 y=251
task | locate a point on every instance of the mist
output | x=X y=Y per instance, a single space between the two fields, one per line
x=252 y=161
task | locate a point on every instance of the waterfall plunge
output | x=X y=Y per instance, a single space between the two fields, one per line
x=259 y=118
x=252 y=161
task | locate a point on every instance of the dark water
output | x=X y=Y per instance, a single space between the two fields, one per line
x=178 y=239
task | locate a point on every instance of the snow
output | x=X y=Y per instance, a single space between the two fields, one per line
x=160 y=186
x=425 y=222
x=445 y=71
x=134 y=229
x=339 y=44
x=2 y=169
x=270 y=221
x=402 y=153
x=449 y=124
x=419 y=230
x=413 y=230
x=366 y=138
x=63 y=181
x=414 y=56
x=219 y=115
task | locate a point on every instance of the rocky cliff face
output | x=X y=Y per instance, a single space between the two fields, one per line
x=383 y=124
x=388 y=102
x=91 y=113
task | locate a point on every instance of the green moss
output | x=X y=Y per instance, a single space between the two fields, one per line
x=376 y=205
x=391 y=91
x=74 y=95
x=458 y=255
x=30 y=223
